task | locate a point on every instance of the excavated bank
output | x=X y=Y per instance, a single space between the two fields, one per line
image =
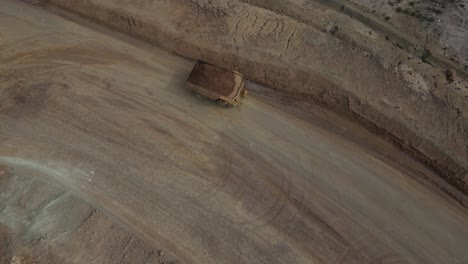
x=385 y=88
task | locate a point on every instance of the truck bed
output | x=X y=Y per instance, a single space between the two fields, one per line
x=214 y=81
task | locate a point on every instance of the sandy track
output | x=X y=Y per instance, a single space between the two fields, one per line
x=108 y=119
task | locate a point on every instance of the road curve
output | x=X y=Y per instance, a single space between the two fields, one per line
x=273 y=181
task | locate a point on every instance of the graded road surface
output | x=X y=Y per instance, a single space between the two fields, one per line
x=273 y=181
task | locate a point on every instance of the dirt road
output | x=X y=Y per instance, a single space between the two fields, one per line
x=107 y=118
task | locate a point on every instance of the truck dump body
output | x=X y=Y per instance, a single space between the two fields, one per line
x=215 y=82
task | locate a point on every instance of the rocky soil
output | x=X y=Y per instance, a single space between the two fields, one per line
x=441 y=25
x=107 y=158
x=331 y=52
x=41 y=222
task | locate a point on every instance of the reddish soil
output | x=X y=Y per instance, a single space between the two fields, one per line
x=214 y=79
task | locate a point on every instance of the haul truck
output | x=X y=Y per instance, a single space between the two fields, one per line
x=225 y=87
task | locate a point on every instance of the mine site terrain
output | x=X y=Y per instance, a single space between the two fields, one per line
x=351 y=145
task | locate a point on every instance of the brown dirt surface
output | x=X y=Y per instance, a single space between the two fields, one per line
x=329 y=52
x=40 y=223
x=109 y=159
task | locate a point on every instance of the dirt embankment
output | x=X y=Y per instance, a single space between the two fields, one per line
x=328 y=58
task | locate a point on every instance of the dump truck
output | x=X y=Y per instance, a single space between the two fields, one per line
x=225 y=87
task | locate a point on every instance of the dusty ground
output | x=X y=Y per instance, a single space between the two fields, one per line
x=439 y=24
x=100 y=127
x=42 y=222
x=319 y=51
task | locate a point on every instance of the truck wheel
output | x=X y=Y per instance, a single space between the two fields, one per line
x=244 y=93
x=224 y=104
